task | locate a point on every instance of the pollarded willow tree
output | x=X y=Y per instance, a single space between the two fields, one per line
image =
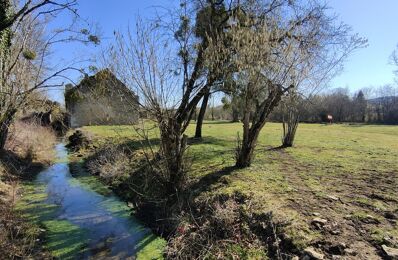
x=25 y=48
x=166 y=64
x=270 y=43
x=310 y=80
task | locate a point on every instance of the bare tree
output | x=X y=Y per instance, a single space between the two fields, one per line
x=25 y=52
x=313 y=78
x=385 y=105
x=165 y=64
x=269 y=43
x=28 y=7
x=290 y=119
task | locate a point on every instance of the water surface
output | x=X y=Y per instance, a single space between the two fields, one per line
x=82 y=223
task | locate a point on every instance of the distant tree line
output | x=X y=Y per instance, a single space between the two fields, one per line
x=360 y=107
x=369 y=105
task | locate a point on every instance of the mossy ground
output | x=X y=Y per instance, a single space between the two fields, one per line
x=340 y=172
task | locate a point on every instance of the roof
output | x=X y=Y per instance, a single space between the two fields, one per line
x=103 y=83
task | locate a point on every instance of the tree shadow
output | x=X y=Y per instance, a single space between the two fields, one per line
x=140 y=144
x=356 y=125
x=277 y=148
x=208 y=140
x=66 y=241
x=19 y=167
x=146 y=240
x=131 y=146
x=218 y=122
x=205 y=182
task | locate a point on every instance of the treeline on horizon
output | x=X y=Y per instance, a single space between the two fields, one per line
x=376 y=105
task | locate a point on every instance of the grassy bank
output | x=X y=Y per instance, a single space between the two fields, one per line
x=29 y=149
x=335 y=191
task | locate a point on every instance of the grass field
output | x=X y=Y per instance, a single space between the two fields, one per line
x=347 y=175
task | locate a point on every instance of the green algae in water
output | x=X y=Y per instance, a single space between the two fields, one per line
x=90 y=183
x=117 y=208
x=33 y=206
x=151 y=247
x=87 y=181
x=65 y=240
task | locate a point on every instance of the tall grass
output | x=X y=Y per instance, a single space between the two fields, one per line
x=32 y=142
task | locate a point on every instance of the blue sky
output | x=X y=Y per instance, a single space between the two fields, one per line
x=378 y=22
x=375 y=20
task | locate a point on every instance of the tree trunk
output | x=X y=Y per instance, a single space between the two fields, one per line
x=173 y=145
x=199 y=122
x=212 y=113
x=245 y=150
x=3 y=135
x=235 y=114
x=290 y=127
x=5 y=123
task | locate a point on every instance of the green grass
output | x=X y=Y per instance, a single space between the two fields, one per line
x=151 y=248
x=350 y=162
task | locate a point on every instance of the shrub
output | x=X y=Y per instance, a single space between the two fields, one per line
x=219 y=228
x=112 y=164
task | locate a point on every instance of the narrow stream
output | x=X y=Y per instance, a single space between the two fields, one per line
x=82 y=223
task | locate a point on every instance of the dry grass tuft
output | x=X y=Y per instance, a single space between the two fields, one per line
x=220 y=228
x=32 y=142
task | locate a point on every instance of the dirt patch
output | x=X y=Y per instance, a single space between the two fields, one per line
x=355 y=220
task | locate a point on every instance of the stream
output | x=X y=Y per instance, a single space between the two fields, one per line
x=83 y=219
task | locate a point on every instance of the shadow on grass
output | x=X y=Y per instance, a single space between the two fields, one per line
x=131 y=146
x=278 y=148
x=210 y=147
x=205 y=183
x=138 y=144
x=65 y=240
x=355 y=124
x=147 y=240
x=368 y=124
x=209 y=140
x=155 y=142
x=218 y=122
